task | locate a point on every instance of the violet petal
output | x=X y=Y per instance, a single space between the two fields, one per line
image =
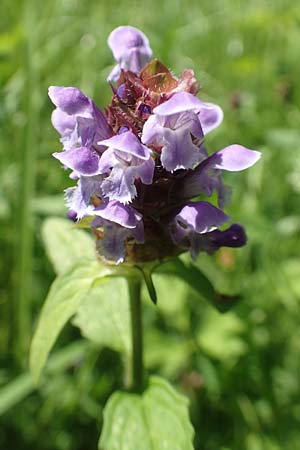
x=201 y=217
x=179 y=102
x=63 y=122
x=83 y=160
x=114 y=211
x=119 y=185
x=129 y=143
x=233 y=158
x=130 y=48
x=234 y=236
x=210 y=116
x=71 y=100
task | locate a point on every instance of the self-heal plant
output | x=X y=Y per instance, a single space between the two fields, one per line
x=143 y=185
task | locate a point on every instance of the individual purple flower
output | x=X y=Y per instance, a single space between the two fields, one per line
x=199 y=217
x=194 y=219
x=125 y=161
x=207 y=176
x=174 y=135
x=179 y=102
x=176 y=125
x=234 y=236
x=209 y=114
x=81 y=125
x=131 y=50
x=119 y=222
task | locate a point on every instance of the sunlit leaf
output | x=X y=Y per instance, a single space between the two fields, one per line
x=156 y=420
x=64 y=298
x=66 y=246
x=104 y=317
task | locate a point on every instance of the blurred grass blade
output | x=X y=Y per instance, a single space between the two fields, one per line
x=27 y=186
x=18 y=389
x=15 y=391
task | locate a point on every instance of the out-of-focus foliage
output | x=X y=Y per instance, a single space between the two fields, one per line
x=240 y=370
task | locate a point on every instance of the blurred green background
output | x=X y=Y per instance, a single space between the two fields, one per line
x=240 y=370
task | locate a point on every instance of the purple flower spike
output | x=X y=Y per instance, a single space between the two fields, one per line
x=125 y=160
x=131 y=50
x=139 y=165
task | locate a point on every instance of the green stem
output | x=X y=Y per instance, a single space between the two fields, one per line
x=137 y=374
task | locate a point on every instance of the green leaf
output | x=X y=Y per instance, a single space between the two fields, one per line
x=156 y=420
x=64 y=298
x=198 y=281
x=65 y=245
x=104 y=317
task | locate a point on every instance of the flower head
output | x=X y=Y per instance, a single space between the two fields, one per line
x=141 y=164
